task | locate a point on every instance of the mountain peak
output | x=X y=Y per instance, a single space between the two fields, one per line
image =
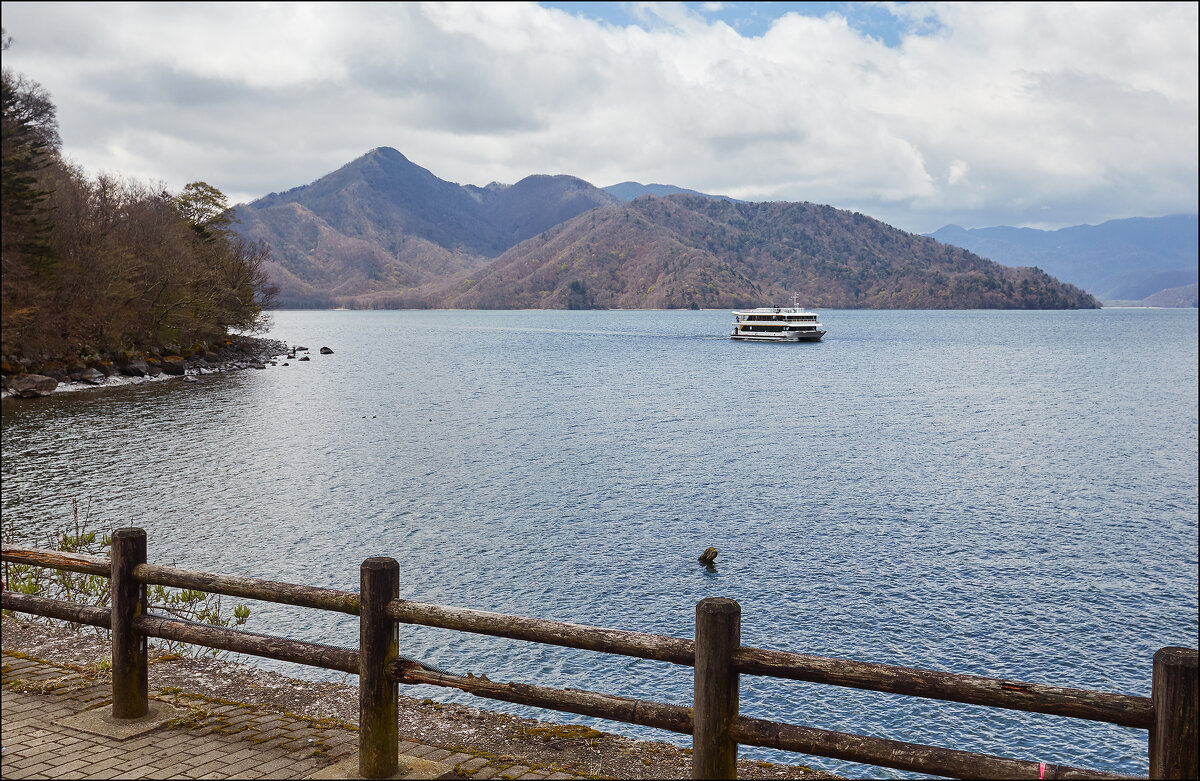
x=386 y=152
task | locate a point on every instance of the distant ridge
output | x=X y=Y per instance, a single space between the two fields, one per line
x=383 y=232
x=1119 y=260
x=628 y=191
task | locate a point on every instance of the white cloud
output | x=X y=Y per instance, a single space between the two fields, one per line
x=982 y=114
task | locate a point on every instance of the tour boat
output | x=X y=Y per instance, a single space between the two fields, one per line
x=776 y=324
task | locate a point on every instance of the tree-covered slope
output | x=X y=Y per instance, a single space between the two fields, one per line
x=682 y=250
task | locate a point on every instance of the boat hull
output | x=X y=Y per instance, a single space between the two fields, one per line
x=812 y=336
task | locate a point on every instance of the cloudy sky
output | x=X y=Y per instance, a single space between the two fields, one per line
x=920 y=114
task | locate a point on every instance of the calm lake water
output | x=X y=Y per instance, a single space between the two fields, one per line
x=1010 y=494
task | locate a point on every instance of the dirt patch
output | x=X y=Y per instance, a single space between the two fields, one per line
x=574 y=748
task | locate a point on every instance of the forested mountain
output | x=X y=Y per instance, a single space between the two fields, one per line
x=684 y=251
x=105 y=266
x=382 y=232
x=1128 y=260
x=382 y=224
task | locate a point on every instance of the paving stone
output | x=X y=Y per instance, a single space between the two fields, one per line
x=473 y=763
x=231 y=742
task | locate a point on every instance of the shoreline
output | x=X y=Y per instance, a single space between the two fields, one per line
x=240 y=353
x=572 y=747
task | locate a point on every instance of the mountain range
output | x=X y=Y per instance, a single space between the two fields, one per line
x=1152 y=261
x=382 y=232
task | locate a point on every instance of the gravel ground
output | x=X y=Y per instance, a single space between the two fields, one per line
x=452 y=726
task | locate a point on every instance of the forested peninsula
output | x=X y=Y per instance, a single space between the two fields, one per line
x=102 y=271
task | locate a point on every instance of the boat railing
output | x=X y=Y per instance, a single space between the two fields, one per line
x=715 y=652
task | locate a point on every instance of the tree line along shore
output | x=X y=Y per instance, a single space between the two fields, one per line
x=106 y=271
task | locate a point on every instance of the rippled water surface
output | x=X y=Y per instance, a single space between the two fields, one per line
x=1010 y=494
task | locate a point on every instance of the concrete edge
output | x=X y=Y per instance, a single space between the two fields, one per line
x=99 y=720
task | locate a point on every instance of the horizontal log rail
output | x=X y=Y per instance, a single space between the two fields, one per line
x=674 y=718
x=913 y=757
x=268 y=646
x=328 y=657
x=1126 y=710
x=71 y=562
x=54 y=608
x=1170 y=714
x=539 y=630
x=175 y=577
x=1122 y=709
x=250 y=588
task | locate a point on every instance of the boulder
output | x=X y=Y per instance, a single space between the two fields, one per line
x=91 y=376
x=29 y=386
x=326 y=351
x=136 y=367
x=173 y=365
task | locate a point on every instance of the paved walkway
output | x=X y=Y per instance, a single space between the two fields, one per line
x=51 y=717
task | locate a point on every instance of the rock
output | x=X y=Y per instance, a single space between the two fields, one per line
x=91 y=376
x=326 y=351
x=173 y=365
x=136 y=367
x=708 y=556
x=30 y=386
x=304 y=358
x=190 y=378
x=257 y=365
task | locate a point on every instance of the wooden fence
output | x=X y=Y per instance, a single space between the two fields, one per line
x=716 y=653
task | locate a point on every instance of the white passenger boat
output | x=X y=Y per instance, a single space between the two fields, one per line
x=776 y=324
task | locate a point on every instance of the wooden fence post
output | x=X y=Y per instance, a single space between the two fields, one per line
x=129 y=673
x=715 y=705
x=378 y=732
x=1174 y=692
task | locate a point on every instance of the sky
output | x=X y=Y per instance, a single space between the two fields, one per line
x=919 y=114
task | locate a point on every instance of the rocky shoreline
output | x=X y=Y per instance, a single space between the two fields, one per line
x=25 y=377
x=574 y=748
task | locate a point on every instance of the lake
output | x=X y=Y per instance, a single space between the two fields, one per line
x=1011 y=494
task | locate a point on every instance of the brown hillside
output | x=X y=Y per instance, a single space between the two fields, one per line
x=683 y=250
